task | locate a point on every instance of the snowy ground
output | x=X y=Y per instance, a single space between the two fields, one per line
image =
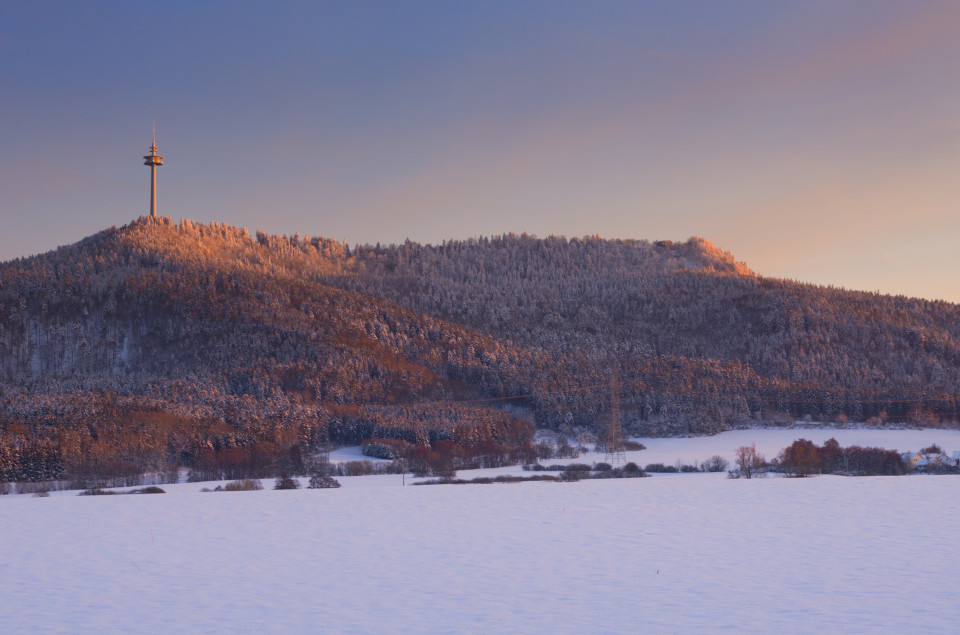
x=769 y=442
x=675 y=553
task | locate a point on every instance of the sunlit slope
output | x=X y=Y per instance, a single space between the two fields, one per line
x=698 y=341
x=191 y=314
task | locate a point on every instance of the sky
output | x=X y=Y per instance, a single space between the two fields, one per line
x=816 y=140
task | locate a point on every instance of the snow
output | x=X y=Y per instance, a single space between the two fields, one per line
x=352 y=453
x=677 y=553
x=769 y=442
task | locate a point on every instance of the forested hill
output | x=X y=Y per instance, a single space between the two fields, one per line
x=205 y=323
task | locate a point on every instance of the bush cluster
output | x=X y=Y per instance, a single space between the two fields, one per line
x=389 y=449
x=580 y=471
x=713 y=464
x=241 y=485
x=660 y=468
x=322 y=481
x=802 y=458
x=153 y=489
x=286 y=482
x=487 y=480
x=96 y=491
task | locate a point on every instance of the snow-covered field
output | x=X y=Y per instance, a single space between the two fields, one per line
x=769 y=442
x=674 y=553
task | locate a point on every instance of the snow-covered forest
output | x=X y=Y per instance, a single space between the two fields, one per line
x=155 y=343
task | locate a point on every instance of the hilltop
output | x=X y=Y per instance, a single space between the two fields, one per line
x=208 y=337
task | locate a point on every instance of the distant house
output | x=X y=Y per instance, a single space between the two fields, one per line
x=939 y=461
x=934 y=462
x=913 y=459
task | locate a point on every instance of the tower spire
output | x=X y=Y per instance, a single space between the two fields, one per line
x=153 y=160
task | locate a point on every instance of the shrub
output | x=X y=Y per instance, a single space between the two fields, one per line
x=545 y=450
x=322 y=481
x=489 y=453
x=286 y=482
x=631 y=470
x=602 y=467
x=385 y=448
x=322 y=465
x=872 y=461
x=242 y=485
x=602 y=474
x=41 y=493
x=801 y=458
x=444 y=457
x=486 y=480
x=686 y=469
x=357 y=468
x=565 y=450
x=543 y=477
x=96 y=491
x=153 y=489
x=575 y=472
x=32 y=487
x=418 y=460
x=633 y=446
x=660 y=468
x=715 y=463
x=4 y=489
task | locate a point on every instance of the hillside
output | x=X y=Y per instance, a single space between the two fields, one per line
x=699 y=341
x=188 y=338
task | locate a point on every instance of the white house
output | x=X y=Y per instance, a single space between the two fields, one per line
x=913 y=459
x=930 y=462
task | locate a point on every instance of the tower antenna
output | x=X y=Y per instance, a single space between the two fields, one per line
x=153 y=160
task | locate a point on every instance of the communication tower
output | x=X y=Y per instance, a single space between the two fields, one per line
x=153 y=160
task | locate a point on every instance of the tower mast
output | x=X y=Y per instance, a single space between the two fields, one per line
x=615 y=452
x=153 y=160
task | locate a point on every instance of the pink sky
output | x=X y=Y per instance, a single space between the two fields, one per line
x=817 y=141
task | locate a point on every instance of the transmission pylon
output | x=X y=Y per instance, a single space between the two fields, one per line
x=615 y=453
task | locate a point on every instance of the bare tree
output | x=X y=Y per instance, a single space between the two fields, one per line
x=748 y=460
x=715 y=463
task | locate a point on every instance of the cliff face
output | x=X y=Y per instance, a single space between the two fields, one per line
x=187 y=314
